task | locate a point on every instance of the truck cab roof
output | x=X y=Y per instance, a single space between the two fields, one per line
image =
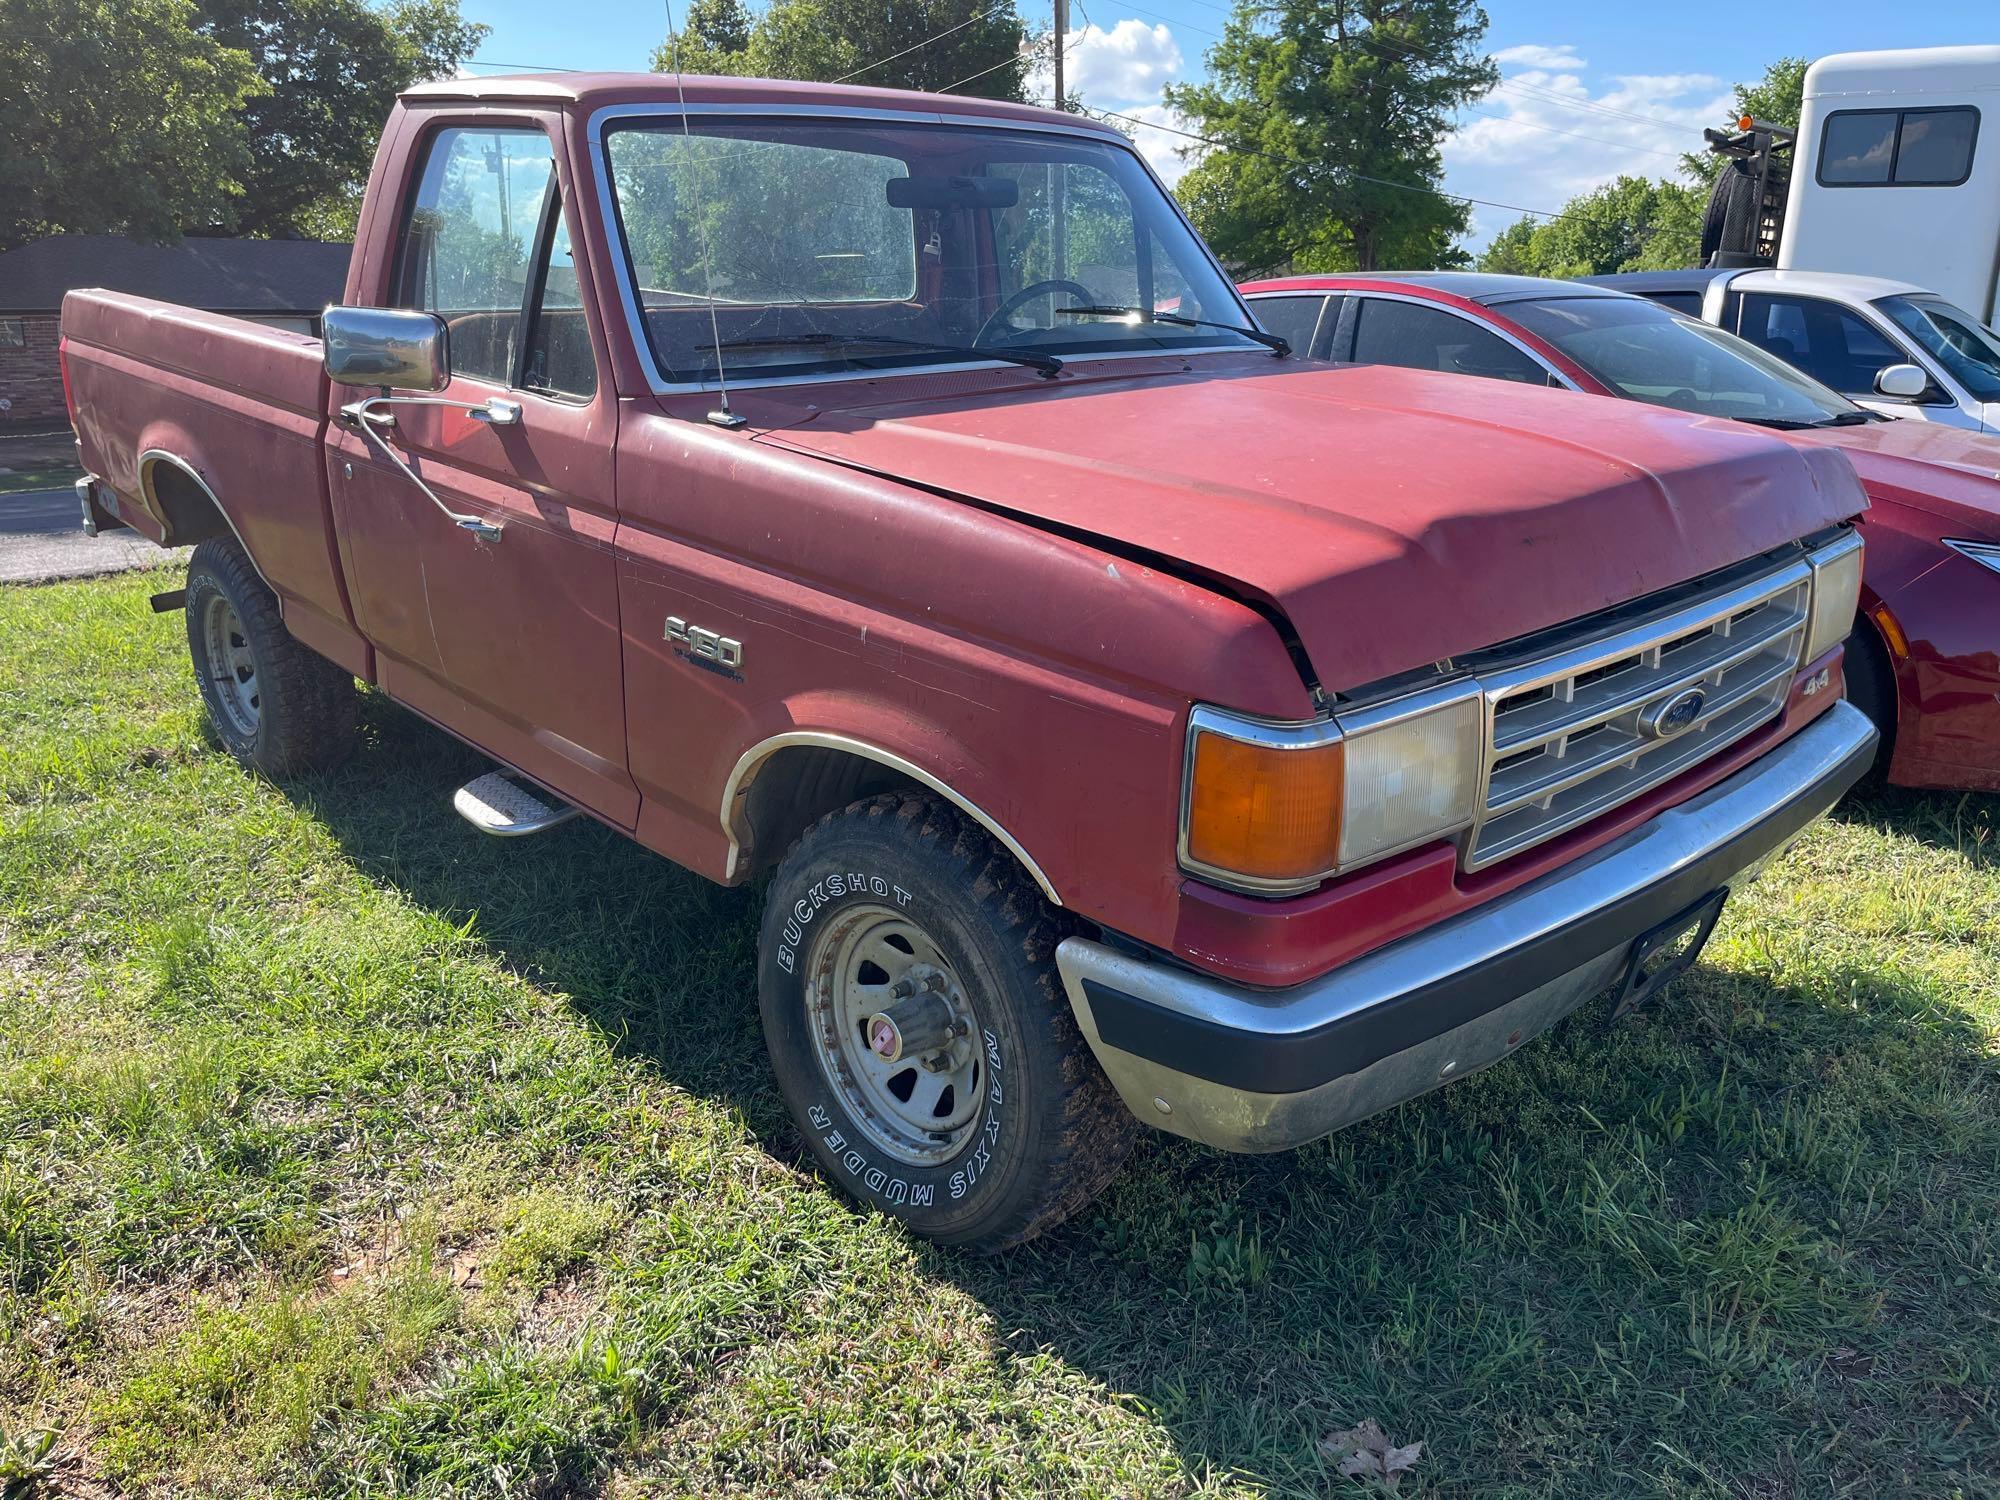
x=592 y=91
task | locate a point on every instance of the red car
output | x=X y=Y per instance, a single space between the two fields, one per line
x=1924 y=659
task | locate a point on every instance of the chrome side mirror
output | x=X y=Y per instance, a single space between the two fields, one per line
x=1905 y=382
x=385 y=346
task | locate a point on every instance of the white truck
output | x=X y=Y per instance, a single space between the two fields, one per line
x=1893 y=171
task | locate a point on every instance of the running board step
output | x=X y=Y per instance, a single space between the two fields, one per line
x=508 y=807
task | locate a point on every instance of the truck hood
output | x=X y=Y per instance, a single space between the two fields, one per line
x=1947 y=472
x=1395 y=517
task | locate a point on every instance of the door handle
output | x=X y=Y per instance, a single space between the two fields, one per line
x=369 y=415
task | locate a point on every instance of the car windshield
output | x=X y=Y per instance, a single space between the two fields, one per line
x=1652 y=354
x=840 y=245
x=1952 y=337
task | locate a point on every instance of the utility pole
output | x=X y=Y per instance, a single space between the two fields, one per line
x=1062 y=36
x=1058 y=207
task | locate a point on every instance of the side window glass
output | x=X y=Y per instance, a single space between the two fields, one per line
x=1425 y=338
x=1907 y=148
x=1936 y=146
x=1831 y=344
x=1292 y=319
x=559 y=358
x=468 y=244
x=1858 y=147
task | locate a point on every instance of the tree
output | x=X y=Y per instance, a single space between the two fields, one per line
x=1331 y=113
x=331 y=70
x=117 y=116
x=973 y=48
x=1632 y=224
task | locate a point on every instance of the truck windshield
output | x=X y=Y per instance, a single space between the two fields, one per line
x=1652 y=354
x=1952 y=337
x=842 y=245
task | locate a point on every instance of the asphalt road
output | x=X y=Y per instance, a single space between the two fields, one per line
x=42 y=539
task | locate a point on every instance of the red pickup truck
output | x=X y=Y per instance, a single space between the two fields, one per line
x=890 y=495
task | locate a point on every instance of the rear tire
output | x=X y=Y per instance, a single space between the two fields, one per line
x=998 y=1126
x=275 y=705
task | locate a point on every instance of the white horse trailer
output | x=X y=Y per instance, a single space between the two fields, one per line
x=1896 y=172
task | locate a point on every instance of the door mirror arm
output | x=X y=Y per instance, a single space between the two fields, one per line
x=370 y=416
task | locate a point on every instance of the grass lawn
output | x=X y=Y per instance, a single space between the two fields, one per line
x=26 y=481
x=343 y=1150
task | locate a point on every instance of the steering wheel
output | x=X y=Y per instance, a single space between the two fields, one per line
x=1028 y=294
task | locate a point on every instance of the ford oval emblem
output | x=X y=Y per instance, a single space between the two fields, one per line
x=1671 y=716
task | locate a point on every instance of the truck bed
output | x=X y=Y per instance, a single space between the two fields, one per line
x=171 y=402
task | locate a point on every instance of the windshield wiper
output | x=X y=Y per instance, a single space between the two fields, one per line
x=1278 y=346
x=1781 y=424
x=1047 y=364
x=1852 y=419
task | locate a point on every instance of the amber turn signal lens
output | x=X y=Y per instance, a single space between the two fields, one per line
x=1264 y=812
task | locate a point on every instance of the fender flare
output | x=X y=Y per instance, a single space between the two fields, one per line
x=149 y=461
x=752 y=761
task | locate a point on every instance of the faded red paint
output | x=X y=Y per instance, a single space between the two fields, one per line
x=1018 y=585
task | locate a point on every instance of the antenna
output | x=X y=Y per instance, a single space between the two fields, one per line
x=722 y=416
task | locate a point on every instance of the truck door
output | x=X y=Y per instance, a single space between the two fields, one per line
x=512 y=639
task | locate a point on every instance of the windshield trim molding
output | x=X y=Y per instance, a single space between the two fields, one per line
x=599 y=163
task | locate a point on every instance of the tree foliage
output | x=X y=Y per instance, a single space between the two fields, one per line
x=1637 y=224
x=1632 y=224
x=1331 y=113
x=156 y=117
x=117 y=116
x=331 y=70
x=976 y=49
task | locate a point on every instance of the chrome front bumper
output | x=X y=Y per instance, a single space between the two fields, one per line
x=1264 y=1070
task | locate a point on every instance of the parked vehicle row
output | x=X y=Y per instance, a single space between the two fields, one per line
x=1924 y=658
x=1889 y=346
x=893 y=498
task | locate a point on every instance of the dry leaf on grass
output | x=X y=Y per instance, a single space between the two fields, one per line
x=1364 y=1451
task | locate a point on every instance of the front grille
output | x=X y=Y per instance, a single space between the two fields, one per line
x=1568 y=737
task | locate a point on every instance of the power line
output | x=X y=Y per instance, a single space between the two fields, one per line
x=985 y=15
x=1299 y=161
x=970 y=77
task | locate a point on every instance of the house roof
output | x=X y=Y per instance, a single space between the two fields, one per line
x=250 y=276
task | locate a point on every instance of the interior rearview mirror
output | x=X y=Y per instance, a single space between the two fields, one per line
x=952 y=192
x=1906 y=382
x=385 y=346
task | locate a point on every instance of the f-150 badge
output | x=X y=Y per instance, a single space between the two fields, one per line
x=706 y=649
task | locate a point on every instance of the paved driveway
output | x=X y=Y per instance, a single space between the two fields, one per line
x=42 y=538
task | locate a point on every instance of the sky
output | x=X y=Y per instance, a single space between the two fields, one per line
x=1589 y=92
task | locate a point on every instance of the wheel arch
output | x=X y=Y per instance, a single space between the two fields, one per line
x=186 y=506
x=781 y=785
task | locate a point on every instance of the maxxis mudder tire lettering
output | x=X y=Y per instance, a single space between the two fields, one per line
x=302 y=716
x=1050 y=1132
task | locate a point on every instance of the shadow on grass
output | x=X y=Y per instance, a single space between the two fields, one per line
x=1630 y=1254
x=1964 y=823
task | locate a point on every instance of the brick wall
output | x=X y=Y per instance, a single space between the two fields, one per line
x=30 y=379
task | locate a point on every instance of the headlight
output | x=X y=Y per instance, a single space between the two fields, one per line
x=1279 y=807
x=1836 y=594
x=1986 y=554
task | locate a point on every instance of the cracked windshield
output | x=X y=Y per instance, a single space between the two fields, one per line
x=847 y=247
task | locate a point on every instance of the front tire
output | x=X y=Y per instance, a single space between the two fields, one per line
x=276 y=706
x=978 y=1117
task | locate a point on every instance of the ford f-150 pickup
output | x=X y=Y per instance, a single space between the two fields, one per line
x=890 y=496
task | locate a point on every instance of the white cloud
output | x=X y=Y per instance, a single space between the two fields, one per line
x=1561 y=59
x=1548 y=134
x=1161 y=148
x=1117 y=67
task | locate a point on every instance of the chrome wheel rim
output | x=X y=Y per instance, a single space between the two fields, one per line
x=231 y=665
x=921 y=1107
